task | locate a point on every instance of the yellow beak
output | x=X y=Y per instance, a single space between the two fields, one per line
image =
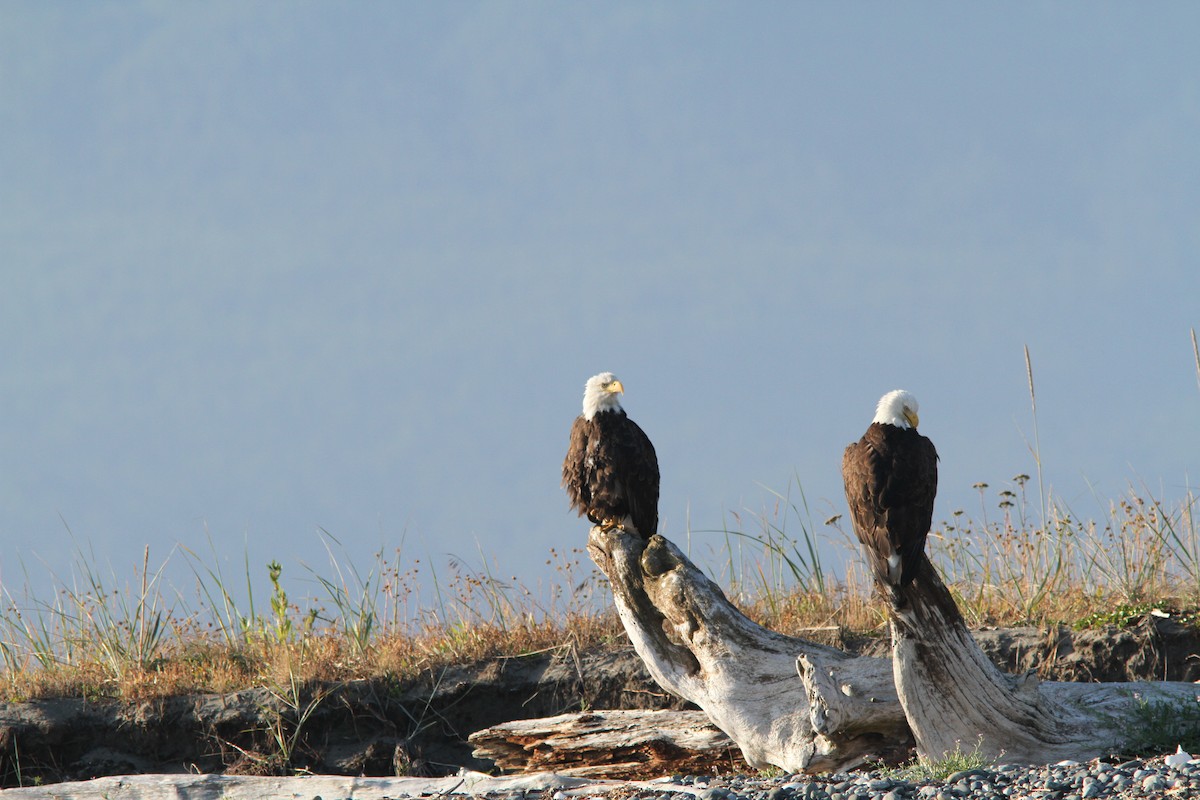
x=615 y=387
x=912 y=417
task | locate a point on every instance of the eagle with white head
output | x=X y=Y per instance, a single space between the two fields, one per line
x=890 y=476
x=611 y=470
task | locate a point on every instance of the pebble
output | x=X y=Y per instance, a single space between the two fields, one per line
x=1067 y=780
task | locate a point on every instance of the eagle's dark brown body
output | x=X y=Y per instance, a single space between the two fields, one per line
x=611 y=472
x=891 y=481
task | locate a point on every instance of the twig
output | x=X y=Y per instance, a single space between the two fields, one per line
x=451 y=790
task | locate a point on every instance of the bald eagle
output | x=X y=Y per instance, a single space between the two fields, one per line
x=611 y=470
x=891 y=480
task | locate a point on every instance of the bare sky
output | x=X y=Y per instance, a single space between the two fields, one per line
x=270 y=268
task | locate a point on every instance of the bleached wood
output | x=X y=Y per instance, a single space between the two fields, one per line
x=955 y=698
x=802 y=706
x=245 y=787
x=786 y=702
x=613 y=744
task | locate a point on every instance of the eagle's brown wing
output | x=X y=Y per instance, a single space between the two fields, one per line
x=639 y=471
x=611 y=471
x=890 y=477
x=574 y=470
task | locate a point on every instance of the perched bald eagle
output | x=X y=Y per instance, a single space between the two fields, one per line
x=611 y=470
x=891 y=480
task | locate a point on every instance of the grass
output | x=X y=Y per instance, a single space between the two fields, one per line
x=1161 y=726
x=938 y=770
x=143 y=641
x=1023 y=558
x=87 y=638
x=1005 y=568
x=1013 y=570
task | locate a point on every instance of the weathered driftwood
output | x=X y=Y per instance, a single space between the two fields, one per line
x=252 y=787
x=955 y=698
x=611 y=744
x=802 y=706
x=786 y=702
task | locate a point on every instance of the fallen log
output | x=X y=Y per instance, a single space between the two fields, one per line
x=246 y=787
x=610 y=744
x=786 y=702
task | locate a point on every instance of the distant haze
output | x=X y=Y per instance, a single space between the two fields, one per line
x=276 y=268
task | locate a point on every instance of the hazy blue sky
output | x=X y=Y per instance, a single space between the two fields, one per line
x=276 y=267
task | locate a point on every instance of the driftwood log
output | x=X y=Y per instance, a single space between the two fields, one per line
x=805 y=707
x=610 y=744
x=254 y=787
x=786 y=702
x=955 y=698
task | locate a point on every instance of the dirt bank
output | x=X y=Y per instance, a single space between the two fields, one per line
x=384 y=728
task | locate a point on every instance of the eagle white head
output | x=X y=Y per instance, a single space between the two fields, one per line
x=601 y=393
x=897 y=408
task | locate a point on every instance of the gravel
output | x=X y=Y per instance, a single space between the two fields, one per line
x=1068 y=780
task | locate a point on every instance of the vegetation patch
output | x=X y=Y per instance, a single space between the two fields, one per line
x=1161 y=726
x=1022 y=560
x=939 y=769
x=1122 y=616
x=1019 y=561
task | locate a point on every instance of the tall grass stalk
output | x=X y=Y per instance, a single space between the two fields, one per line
x=215 y=594
x=1037 y=439
x=1128 y=553
x=356 y=601
x=129 y=629
x=1139 y=549
x=89 y=624
x=1006 y=563
x=32 y=632
x=497 y=595
x=1196 y=356
x=770 y=562
x=1180 y=536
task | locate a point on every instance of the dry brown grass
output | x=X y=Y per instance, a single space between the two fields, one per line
x=1015 y=565
x=1012 y=566
x=100 y=643
x=192 y=667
